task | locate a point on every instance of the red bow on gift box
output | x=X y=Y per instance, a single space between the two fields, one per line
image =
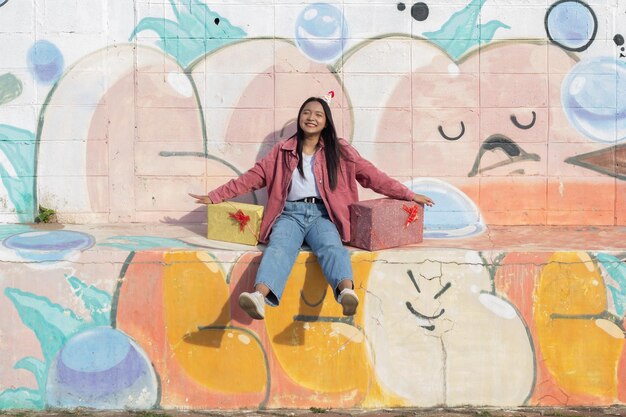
x=413 y=212
x=241 y=218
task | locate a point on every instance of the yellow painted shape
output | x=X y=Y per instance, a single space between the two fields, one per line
x=581 y=356
x=320 y=351
x=220 y=357
x=227 y=360
x=196 y=293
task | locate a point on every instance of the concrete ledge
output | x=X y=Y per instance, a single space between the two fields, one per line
x=142 y=316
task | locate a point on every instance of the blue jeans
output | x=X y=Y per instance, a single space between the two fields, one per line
x=298 y=223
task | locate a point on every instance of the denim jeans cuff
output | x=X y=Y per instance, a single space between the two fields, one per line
x=336 y=291
x=272 y=298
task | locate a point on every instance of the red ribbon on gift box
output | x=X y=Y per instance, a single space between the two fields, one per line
x=241 y=218
x=413 y=212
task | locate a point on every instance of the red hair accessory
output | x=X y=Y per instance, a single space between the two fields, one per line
x=328 y=98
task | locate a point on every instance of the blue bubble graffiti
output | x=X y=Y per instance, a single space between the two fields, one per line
x=594 y=98
x=455 y=214
x=102 y=368
x=571 y=24
x=321 y=32
x=50 y=246
x=85 y=363
x=45 y=62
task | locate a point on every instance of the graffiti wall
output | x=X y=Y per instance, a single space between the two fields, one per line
x=510 y=112
x=505 y=112
x=135 y=321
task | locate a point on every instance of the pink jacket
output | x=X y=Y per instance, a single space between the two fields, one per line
x=274 y=171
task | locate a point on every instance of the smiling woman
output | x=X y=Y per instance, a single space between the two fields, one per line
x=311 y=178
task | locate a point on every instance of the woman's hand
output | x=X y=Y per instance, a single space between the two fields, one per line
x=422 y=199
x=201 y=199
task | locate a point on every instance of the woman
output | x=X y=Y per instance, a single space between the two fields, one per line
x=311 y=180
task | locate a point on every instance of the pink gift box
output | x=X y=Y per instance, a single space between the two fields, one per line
x=385 y=223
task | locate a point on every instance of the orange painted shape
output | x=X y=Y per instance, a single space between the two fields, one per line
x=139 y=309
x=176 y=305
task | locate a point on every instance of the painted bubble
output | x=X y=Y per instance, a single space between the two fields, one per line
x=594 y=98
x=3 y=2
x=321 y=32
x=571 y=24
x=454 y=213
x=45 y=61
x=101 y=368
x=48 y=246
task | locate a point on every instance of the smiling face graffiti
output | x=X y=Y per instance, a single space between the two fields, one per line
x=433 y=324
x=426 y=309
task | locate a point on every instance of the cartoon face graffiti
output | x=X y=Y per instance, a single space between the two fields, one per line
x=492 y=124
x=434 y=325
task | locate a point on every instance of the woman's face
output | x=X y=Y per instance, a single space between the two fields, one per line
x=312 y=119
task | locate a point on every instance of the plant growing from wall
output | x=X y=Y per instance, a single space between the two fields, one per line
x=46 y=215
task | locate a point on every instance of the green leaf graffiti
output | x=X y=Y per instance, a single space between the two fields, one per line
x=10 y=88
x=52 y=324
x=461 y=32
x=97 y=302
x=196 y=31
x=7 y=230
x=17 y=169
x=617 y=271
x=34 y=365
x=21 y=398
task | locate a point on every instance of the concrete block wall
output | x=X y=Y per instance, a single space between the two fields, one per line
x=112 y=111
x=505 y=112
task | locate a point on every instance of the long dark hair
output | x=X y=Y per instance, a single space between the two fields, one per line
x=332 y=148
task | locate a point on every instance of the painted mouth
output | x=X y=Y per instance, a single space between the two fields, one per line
x=424 y=318
x=511 y=151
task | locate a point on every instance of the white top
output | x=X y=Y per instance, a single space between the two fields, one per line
x=303 y=187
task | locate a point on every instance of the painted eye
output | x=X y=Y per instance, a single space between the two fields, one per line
x=521 y=125
x=442 y=290
x=618 y=39
x=446 y=137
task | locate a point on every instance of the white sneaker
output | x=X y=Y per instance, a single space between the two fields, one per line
x=253 y=304
x=349 y=301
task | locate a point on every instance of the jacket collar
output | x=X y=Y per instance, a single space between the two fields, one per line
x=291 y=144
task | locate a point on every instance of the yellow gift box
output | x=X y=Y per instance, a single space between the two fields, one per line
x=234 y=222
